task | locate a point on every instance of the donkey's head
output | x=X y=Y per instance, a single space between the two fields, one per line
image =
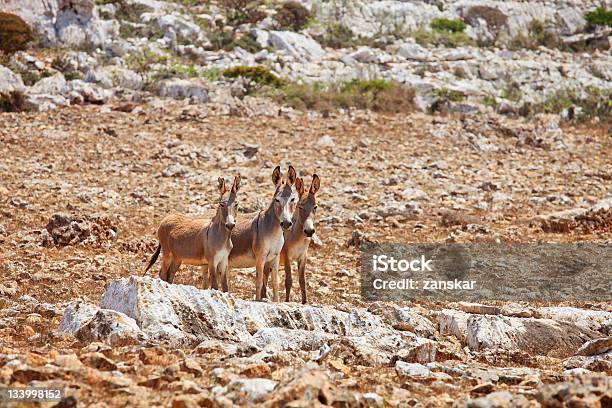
x=284 y=199
x=228 y=206
x=307 y=204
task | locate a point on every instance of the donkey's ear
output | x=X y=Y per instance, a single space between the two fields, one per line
x=291 y=175
x=222 y=187
x=316 y=184
x=276 y=176
x=299 y=186
x=236 y=185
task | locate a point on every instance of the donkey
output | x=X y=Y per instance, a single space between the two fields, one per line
x=259 y=239
x=298 y=238
x=199 y=241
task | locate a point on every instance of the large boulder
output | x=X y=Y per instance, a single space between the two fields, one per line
x=185 y=316
x=297 y=45
x=557 y=338
x=183 y=89
x=10 y=82
x=64 y=22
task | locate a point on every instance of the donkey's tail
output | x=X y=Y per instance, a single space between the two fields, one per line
x=153 y=259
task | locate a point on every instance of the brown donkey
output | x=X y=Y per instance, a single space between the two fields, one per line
x=259 y=239
x=297 y=239
x=199 y=241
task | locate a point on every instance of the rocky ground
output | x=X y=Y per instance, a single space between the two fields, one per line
x=83 y=189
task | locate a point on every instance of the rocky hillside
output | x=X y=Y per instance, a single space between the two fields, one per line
x=511 y=56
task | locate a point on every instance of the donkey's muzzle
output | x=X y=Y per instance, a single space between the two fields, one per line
x=229 y=225
x=286 y=224
x=309 y=232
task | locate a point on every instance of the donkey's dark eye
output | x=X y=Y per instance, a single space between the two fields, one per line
x=293 y=200
x=277 y=200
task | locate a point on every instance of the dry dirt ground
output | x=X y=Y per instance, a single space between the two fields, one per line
x=484 y=179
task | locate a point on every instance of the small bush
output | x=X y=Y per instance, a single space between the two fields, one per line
x=489 y=101
x=440 y=38
x=238 y=12
x=12 y=102
x=599 y=17
x=495 y=19
x=259 y=75
x=15 y=34
x=449 y=95
x=337 y=36
x=292 y=16
x=512 y=92
x=538 y=35
x=445 y=24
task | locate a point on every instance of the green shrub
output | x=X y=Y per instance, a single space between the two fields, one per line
x=337 y=36
x=366 y=86
x=599 y=17
x=449 y=95
x=258 y=74
x=425 y=37
x=512 y=92
x=489 y=101
x=15 y=34
x=445 y=24
x=12 y=102
x=292 y=16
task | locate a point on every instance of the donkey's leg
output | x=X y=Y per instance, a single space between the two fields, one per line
x=288 y=277
x=266 y=278
x=274 y=272
x=172 y=270
x=302 y=277
x=205 y=277
x=165 y=266
x=223 y=266
x=212 y=273
x=260 y=263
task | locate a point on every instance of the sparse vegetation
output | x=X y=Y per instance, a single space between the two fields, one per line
x=425 y=37
x=238 y=12
x=258 y=74
x=489 y=101
x=337 y=36
x=143 y=61
x=15 y=34
x=601 y=16
x=580 y=105
x=377 y=95
x=445 y=24
x=496 y=20
x=512 y=92
x=450 y=95
x=292 y=16
x=538 y=35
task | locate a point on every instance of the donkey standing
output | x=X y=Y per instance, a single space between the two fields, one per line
x=199 y=241
x=298 y=237
x=259 y=239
